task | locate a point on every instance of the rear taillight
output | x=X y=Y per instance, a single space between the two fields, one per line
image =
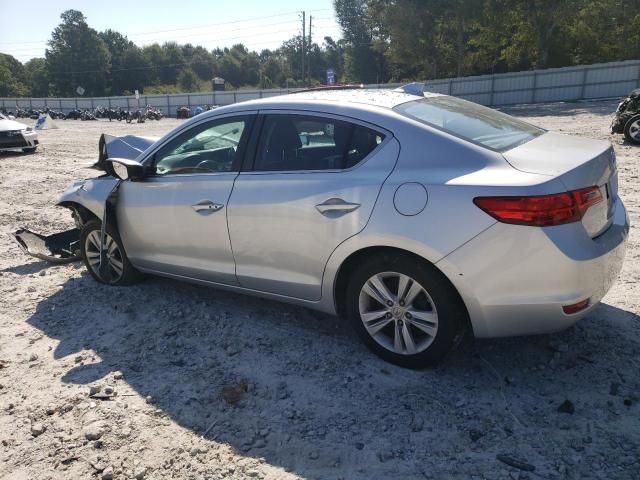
x=541 y=210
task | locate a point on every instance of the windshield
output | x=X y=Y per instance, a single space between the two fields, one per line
x=470 y=121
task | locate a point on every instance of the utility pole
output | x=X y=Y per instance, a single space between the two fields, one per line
x=304 y=37
x=309 y=44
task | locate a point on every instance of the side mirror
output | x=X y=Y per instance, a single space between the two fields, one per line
x=126 y=169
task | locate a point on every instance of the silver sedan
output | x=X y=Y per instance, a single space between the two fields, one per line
x=415 y=217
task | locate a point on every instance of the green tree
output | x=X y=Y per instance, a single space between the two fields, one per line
x=133 y=72
x=77 y=56
x=12 y=79
x=360 y=61
x=37 y=77
x=188 y=81
x=155 y=57
x=334 y=56
x=201 y=61
x=174 y=62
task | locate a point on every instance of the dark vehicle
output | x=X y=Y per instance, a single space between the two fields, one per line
x=74 y=114
x=627 y=119
x=183 y=112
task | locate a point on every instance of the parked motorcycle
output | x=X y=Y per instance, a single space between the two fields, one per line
x=627 y=118
x=153 y=113
x=54 y=114
x=87 y=115
x=183 y=112
x=137 y=115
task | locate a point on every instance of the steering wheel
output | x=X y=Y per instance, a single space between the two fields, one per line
x=210 y=165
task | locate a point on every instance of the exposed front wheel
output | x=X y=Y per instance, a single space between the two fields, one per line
x=114 y=267
x=405 y=310
x=29 y=150
x=632 y=130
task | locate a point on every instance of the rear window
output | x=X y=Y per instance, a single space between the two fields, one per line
x=470 y=121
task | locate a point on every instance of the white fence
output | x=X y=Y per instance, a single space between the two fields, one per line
x=605 y=80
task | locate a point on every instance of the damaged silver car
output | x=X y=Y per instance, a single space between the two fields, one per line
x=416 y=216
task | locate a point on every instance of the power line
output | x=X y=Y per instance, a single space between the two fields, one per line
x=234 y=22
x=208 y=35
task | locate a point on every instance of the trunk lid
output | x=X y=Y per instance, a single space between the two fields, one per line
x=578 y=163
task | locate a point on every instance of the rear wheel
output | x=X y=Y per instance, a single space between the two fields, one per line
x=404 y=310
x=117 y=270
x=632 y=130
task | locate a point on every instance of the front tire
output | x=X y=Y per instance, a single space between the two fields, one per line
x=29 y=150
x=404 y=310
x=632 y=130
x=118 y=270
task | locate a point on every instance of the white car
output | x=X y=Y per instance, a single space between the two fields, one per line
x=17 y=136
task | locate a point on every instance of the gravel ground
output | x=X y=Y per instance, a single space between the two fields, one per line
x=170 y=380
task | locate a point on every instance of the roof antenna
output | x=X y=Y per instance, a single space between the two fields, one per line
x=414 y=88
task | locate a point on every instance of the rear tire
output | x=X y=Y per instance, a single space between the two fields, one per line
x=119 y=271
x=404 y=309
x=632 y=130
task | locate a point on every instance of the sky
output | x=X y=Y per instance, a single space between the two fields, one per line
x=26 y=26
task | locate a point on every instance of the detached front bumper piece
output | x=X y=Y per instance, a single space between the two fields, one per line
x=63 y=247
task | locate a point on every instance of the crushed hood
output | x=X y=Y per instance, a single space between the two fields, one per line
x=127 y=146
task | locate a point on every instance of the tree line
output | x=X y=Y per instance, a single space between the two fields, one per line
x=383 y=41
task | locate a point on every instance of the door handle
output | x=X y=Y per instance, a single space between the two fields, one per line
x=336 y=205
x=207 y=207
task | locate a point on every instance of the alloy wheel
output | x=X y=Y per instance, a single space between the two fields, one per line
x=398 y=313
x=115 y=264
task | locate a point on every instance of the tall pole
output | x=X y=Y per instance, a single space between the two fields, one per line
x=304 y=37
x=309 y=44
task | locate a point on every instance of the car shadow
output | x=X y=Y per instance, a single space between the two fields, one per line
x=27 y=268
x=10 y=154
x=307 y=385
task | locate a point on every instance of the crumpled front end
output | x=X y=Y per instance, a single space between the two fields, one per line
x=60 y=247
x=86 y=199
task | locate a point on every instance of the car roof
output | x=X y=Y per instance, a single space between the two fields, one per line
x=384 y=98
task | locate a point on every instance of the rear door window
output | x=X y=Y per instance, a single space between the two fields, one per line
x=299 y=142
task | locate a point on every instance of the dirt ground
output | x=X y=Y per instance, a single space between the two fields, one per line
x=169 y=380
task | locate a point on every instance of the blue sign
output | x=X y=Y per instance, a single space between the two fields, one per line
x=40 y=121
x=331 y=76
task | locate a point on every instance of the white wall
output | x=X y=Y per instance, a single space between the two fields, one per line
x=604 y=80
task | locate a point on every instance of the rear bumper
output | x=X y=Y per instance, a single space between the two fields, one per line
x=515 y=280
